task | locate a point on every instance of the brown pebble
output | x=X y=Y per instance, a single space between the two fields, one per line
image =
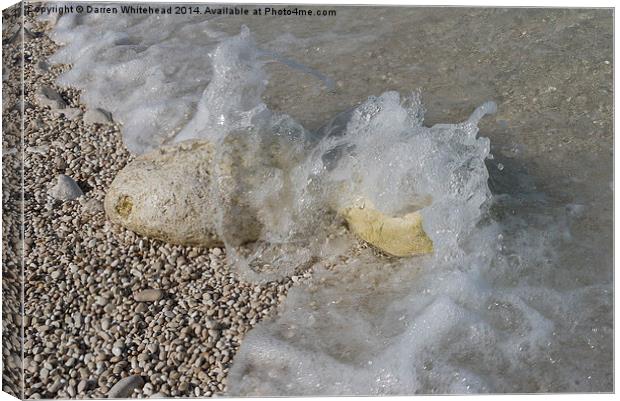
x=150 y=295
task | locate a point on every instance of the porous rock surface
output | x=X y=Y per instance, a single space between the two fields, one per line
x=171 y=194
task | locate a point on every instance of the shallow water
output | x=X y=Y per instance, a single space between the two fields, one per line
x=517 y=296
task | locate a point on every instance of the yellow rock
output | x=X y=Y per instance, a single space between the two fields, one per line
x=397 y=236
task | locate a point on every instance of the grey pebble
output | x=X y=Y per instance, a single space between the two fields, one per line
x=83 y=385
x=65 y=189
x=125 y=387
x=71 y=391
x=117 y=348
x=141 y=308
x=56 y=274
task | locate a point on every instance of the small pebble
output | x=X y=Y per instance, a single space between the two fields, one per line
x=150 y=295
x=125 y=387
x=65 y=189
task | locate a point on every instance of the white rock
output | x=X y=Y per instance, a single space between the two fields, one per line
x=65 y=189
x=169 y=194
x=125 y=387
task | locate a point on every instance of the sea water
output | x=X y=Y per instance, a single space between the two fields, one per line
x=493 y=308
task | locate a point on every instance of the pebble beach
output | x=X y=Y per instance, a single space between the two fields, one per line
x=109 y=313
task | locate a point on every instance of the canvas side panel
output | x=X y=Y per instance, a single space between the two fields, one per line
x=12 y=200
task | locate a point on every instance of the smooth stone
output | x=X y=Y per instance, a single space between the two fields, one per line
x=47 y=96
x=65 y=189
x=97 y=116
x=84 y=385
x=71 y=391
x=150 y=295
x=53 y=388
x=56 y=274
x=125 y=387
x=397 y=236
x=170 y=194
x=118 y=347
